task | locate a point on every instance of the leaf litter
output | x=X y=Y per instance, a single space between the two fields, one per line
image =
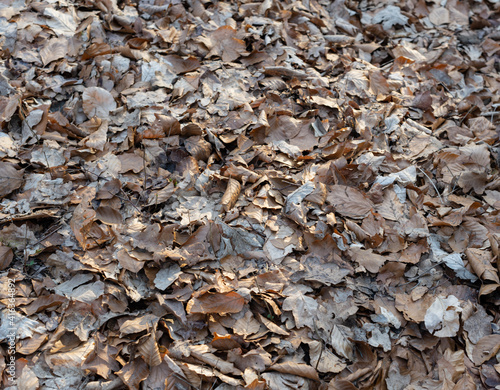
x=267 y=195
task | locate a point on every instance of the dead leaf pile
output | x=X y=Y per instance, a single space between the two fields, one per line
x=261 y=195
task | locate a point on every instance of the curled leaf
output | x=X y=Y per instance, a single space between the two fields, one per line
x=230 y=197
x=480 y=262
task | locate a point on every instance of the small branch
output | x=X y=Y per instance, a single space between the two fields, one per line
x=433 y=185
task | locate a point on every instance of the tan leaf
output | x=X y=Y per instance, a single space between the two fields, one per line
x=6 y=256
x=97 y=139
x=27 y=380
x=96 y=49
x=163 y=126
x=371 y=261
x=31 y=344
x=161 y=196
x=480 y=261
x=391 y=208
x=223 y=43
x=340 y=343
x=44 y=302
x=97 y=102
x=272 y=326
x=149 y=350
x=486 y=348
x=138 y=324
x=226 y=342
x=349 y=202
x=466 y=383
x=340 y=384
x=131 y=162
x=55 y=49
x=246 y=325
x=231 y=195
x=80 y=223
x=488 y=289
x=133 y=373
x=220 y=303
x=190 y=369
x=299 y=369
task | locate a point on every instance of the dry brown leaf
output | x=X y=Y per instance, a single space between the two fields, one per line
x=299 y=369
x=220 y=303
x=480 y=261
x=138 y=324
x=485 y=349
x=6 y=256
x=54 y=49
x=102 y=360
x=44 y=302
x=27 y=380
x=223 y=43
x=10 y=178
x=163 y=126
x=128 y=262
x=272 y=326
x=349 y=202
x=231 y=195
x=182 y=65
x=133 y=373
x=82 y=219
x=198 y=147
x=149 y=350
x=109 y=215
x=97 y=102
x=246 y=325
x=378 y=84
x=366 y=258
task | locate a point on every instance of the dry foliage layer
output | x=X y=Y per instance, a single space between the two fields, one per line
x=278 y=194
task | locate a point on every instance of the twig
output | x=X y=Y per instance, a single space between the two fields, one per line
x=433 y=185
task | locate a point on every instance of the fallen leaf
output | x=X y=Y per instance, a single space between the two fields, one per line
x=231 y=194
x=221 y=303
x=97 y=102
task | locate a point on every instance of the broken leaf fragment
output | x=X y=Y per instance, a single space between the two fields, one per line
x=442 y=317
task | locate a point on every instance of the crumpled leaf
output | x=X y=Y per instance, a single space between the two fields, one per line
x=480 y=261
x=442 y=317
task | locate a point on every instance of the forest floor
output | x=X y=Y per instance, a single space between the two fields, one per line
x=262 y=195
